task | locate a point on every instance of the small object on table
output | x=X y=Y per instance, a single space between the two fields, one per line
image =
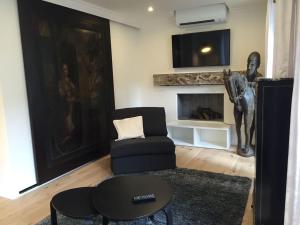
x=74 y=203
x=143 y=198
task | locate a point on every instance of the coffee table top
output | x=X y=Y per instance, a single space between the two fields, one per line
x=75 y=203
x=113 y=197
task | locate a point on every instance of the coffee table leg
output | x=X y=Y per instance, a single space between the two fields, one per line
x=168 y=213
x=53 y=215
x=105 y=221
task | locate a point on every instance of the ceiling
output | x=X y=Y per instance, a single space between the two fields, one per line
x=123 y=6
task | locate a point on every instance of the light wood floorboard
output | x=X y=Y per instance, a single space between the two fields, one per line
x=34 y=206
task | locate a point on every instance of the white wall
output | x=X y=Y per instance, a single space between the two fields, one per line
x=17 y=164
x=17 y=170
x=3 y=143
x=138 y=54
x=125 y=43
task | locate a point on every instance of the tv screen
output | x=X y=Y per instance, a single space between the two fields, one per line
x=201 y=49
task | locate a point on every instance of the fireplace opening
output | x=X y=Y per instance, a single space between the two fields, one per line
x=208 y=107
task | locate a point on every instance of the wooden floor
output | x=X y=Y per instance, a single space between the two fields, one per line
x=34 y=206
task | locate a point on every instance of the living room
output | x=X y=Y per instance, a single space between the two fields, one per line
x=138 y=52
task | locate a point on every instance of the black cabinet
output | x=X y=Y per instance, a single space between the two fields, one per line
x=274 y=99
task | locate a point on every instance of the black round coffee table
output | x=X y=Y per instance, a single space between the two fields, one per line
x=75 y=203
x=113 y=198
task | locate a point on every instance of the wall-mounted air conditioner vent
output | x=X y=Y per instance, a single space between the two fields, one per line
x=208 y=14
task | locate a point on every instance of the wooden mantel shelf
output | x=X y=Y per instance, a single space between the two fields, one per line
x=189 y=79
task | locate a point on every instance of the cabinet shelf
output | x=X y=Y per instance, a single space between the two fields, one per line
x=200 y=133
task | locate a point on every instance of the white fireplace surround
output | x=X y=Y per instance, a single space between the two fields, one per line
x=170 y=104
x=200 y=133
x=172 y=92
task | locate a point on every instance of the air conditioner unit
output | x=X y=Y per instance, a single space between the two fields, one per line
x=216 y=13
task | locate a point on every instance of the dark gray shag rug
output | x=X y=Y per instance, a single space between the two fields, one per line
x=200 y=198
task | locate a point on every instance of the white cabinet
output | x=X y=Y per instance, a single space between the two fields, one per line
x=200 y=133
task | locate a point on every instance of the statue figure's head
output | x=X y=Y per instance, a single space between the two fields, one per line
x=253 y=63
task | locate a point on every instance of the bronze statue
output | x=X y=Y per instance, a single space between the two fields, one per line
x=241 y=91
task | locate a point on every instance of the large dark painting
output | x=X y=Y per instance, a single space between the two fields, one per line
x=67 y=57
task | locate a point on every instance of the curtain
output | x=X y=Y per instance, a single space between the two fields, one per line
x=286 y=53
x=292 y=208
x=283 y=60
x=284 y=38
x=270 y=35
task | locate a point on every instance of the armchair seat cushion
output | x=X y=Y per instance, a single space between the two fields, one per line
x=142 y=146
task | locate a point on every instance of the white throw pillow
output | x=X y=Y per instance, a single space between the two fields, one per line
x=129 y=128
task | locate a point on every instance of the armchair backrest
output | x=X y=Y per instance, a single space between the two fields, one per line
x=154 y=119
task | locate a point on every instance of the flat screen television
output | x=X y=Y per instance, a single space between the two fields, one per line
x=201 y=49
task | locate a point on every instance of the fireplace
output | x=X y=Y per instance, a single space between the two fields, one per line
x=208 y=107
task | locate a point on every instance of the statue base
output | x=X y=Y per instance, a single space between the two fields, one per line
x=246 y=152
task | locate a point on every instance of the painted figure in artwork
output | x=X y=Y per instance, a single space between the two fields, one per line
x=94 y=69
x=67 y=91
x=241 y=91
